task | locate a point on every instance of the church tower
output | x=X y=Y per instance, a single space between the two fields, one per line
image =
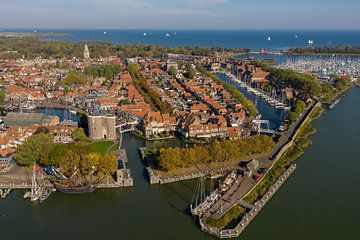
x=86 y=53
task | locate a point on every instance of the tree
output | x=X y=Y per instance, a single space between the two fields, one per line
x=2 y=97
x=133 y=68
x=342 y=83
x=169 y=159
x=35 y=149
x=69 y=162
x=55 y=155
x=107 y=71
x=217 y=152
x=74 y=78
x=202 y=154
x=89 y=161
x=42 y=129
x=190 y=72
x=172 y=71
x=299 y=107
x=188 y=157
x=79 y=135
x=108 y=164
x=293 y=116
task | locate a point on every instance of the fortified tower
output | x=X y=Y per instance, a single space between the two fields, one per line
x=102 y=127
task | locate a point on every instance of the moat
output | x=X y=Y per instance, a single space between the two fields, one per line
x=318 y=202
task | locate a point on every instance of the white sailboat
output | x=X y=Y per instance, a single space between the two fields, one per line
x=35 y=192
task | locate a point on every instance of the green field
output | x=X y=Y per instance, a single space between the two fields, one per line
x=102 y=147
x=234 y=213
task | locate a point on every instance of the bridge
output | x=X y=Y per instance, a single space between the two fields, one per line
x=259 y=123
x=124 y=128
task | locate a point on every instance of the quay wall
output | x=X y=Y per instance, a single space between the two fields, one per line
x=248 y=217
x=291 y=140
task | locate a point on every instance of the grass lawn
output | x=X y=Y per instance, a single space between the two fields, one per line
x=234 y=213
x=101 y=147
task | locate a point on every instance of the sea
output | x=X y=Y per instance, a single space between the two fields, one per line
x=255 y=40
x=320 y=201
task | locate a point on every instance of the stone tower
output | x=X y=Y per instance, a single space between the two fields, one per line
x=86 y=53
x=102 y=127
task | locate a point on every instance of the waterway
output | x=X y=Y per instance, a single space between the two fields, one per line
x=267 y=112
x=320 y=201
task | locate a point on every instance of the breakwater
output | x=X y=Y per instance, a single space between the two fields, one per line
x=251 y=214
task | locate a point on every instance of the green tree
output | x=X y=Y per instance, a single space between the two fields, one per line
x=55 y=155
x=217 y=152
x=108 y=164
x=74 y=78
x=341 y=84
x=293 y=116
x=35 y=149
x=202 y=154
x=89 y=162
x=169 y=159
x=107 y=71
x=42 y=129
x=190 y=72
x=172 y=71
x=188 y=157
x=299 y=107
x=2 y=97
x=69 y=162
x=79 y=135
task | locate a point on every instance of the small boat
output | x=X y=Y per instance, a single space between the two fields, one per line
x=27 y=195
x=72 y=112
x=46 y=194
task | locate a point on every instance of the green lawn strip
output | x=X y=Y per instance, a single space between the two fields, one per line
x=234 y=213
x=101 y=147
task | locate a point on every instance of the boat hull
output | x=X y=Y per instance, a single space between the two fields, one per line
x=74 y=190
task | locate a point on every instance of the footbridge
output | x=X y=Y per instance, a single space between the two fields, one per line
x=124 y=128
x=259 y=126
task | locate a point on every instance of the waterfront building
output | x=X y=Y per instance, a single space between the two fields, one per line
x=155 y=123
x=102 y=127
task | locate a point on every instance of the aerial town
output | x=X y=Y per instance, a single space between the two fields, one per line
x=178 y=96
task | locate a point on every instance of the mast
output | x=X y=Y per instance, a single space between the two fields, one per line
x=33 y=182
x=200 y=193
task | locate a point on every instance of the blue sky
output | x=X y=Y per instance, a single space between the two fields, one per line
x=181 y=14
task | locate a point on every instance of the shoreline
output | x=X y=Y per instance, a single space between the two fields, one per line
x=261 y=201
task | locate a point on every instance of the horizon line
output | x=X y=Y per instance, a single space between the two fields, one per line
x=4 y=29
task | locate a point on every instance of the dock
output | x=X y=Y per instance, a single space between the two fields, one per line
x=333 y=105
x=253 y=210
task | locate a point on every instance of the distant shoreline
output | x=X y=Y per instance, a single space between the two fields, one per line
x=32 y=34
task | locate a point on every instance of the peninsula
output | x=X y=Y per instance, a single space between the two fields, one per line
x=195 y=95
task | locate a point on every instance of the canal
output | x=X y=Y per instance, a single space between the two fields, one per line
x=267 y=112
x=320 y=201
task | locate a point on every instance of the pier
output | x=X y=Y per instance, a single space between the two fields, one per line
x=236 y=197
x=253 y=210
